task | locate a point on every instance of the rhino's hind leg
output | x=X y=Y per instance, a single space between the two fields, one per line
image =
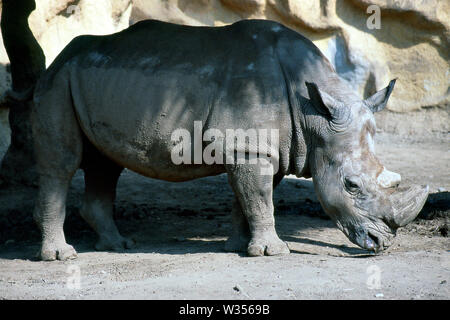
x=101 y=176
x=254 y=193
x=49 y=215
x=240 y=236
x=58 y=151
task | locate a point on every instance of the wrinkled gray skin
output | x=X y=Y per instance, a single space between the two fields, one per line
x=109 y=102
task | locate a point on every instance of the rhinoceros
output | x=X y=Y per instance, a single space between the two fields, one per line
x=112 y=102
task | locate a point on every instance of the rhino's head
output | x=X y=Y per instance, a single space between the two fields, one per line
x=355 y=189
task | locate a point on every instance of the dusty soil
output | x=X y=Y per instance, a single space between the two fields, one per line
x=180 y=229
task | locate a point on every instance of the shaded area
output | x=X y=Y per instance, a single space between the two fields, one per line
x=437 y=206
x=435 y=216
x=401 y=37
x=346 y=249
x=174 y=218
x=140 y=199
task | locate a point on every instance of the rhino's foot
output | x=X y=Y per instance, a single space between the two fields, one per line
x=237 y=243
x=57 y=252
x=116 y=244
x=269 y=246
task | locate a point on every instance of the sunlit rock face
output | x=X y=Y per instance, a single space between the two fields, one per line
x=369 y=42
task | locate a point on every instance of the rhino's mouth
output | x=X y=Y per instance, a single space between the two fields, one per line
x=377 y=241
x=369 y=239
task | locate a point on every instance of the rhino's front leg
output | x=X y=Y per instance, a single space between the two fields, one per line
x=254 y=193
x=49 y=214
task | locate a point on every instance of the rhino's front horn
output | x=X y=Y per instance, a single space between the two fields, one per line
x=406 y=204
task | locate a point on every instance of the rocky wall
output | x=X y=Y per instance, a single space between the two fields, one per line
x=368 y=42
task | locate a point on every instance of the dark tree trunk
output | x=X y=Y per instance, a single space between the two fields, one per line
x=27 y=63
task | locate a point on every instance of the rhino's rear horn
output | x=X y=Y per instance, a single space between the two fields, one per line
x=388 y=179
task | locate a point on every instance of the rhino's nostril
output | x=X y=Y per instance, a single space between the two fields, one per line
x=374 y=241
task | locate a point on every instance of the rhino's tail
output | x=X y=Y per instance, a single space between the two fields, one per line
x=10 y=97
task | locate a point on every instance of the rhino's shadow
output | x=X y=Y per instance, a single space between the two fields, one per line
x=350 y=251
x=205 y=245
x=197 y=212
x=210 y=245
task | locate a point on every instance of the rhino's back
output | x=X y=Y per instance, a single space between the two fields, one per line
x=162 y=67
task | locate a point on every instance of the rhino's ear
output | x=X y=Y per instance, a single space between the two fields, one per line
x=323 y=102
x=378 y=101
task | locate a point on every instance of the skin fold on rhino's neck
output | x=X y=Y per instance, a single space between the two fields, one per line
x=313 y=125
x=301 y=142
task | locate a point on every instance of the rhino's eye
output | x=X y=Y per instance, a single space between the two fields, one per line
x=352 y=185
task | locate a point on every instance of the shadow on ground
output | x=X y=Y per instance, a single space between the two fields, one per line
x=189 y=217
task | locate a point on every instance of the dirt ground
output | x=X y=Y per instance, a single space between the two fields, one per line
x=180 y=229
